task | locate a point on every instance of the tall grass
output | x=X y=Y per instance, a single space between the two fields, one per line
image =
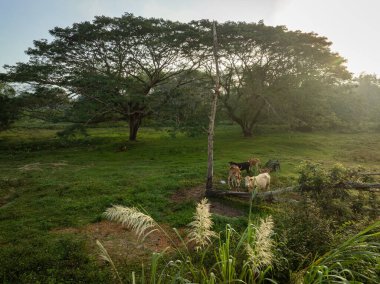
x=248 y=257
x=260 y=247
x=106 y=257
x=58 y=201
x=244 y=258
x=357 y=260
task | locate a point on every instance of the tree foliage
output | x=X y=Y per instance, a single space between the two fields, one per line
x=186 y=109
x=271 y=69
x=132 y=68
x=116 y=63
x=367 y=94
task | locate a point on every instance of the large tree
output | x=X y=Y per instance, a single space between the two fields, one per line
x=262 y=65
x=117 y=64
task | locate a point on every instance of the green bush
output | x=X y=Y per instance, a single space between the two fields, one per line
x=312 y=177
x=303 y=232
x=327 y=187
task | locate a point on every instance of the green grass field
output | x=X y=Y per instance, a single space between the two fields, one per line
x=50 y=189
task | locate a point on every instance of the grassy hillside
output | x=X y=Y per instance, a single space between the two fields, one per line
x=51 y=191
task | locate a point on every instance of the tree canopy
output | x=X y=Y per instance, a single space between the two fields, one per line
x=115 y=63
x=265 y=65
x=130 y=68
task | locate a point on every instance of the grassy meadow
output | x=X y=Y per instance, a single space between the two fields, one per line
x=53 y=192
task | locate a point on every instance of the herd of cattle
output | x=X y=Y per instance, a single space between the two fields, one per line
x=260 y=181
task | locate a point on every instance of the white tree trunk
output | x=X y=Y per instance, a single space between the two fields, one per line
x=210 y=151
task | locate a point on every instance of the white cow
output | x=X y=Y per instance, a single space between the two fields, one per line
x=261 y=181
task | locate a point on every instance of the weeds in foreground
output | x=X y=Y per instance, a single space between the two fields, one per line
x=356 y=259
x=236 y=258
x=246 y=257
x=106 y=257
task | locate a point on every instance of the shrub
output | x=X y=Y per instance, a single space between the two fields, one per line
x=356 y=260
x=248 y=257
x=327 y=187
x=303 y=232
x=312 y=177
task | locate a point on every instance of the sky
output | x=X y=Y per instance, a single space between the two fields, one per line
x=353 y=26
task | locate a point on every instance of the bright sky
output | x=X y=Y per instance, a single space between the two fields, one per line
x=352 y=25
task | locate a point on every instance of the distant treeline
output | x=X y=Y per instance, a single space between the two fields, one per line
x=160 y=72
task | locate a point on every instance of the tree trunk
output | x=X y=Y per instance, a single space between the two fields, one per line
x=247 y=132
x=210 y=151
x=134 y=125
x=248 y=127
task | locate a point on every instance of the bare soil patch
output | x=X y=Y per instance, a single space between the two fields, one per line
x=221 y=208
x=121 y=243
x=188 y=194
x=31 y=167
x=6 y=198
x=39 y=166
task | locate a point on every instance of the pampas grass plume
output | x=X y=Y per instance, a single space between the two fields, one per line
x=133 y=219
x=260 y=249
x=200 y=229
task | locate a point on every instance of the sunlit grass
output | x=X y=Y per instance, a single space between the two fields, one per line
x=72 y=183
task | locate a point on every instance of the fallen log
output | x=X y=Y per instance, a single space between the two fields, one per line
x=370 y=187
x=284 y=200
x=222 y=193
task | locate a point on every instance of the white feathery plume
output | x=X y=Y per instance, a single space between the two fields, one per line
x=200 y=229
x=133 y=219
x=260 y=250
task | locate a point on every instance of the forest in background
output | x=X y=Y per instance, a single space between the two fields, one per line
x=161 y=73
